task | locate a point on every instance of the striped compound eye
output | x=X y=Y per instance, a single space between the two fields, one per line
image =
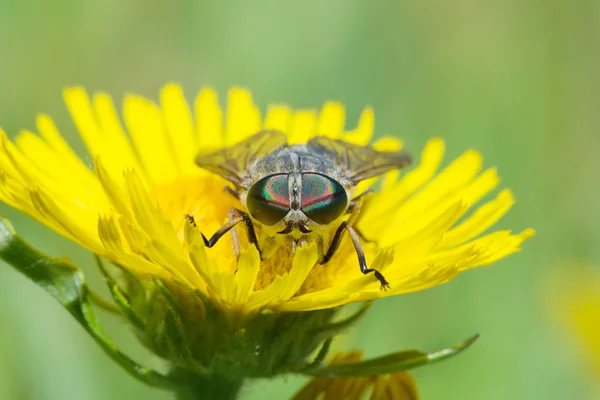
x=269 y=199
x=323 y=199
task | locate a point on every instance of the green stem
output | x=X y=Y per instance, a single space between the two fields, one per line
x=214 y=387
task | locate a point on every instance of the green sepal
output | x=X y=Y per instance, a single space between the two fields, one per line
x=390 y=363
x=104 y=304
x=323 y=351
x=63 y=281
x=119 y=298
x=335 y=328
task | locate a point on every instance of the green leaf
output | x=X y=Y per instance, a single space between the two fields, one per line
x=390 y=363
x=63 y=281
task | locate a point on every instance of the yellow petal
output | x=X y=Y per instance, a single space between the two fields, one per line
x=111 y=240
x=118 y=147
x=278 y=118
x=480 y=221
x=178 y=121
x=415 y=230
x=154 y=148
x=331 y=120
x=114 y=191
x=285 y=286
x=209 y=120
x=245 y=277
x=302 y=126
x=50 y=133
x=80 y=108
x=243 y=116
x=75 y=220
x=364 y=131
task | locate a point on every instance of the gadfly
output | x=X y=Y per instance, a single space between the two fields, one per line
x=299 y=190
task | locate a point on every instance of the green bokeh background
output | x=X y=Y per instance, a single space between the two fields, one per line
x=517 y=80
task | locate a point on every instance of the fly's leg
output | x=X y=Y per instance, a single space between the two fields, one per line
x=335 y=244
x=235 y=239
x=235 y=217
x=249 y=229
x=354 y=208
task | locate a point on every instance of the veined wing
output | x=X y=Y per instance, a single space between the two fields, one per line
x=232 y=162
x=357 y=162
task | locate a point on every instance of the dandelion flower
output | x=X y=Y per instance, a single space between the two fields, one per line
x=194 y=304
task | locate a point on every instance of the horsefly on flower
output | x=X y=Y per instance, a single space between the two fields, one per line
x=298 y=190
x=237 y=306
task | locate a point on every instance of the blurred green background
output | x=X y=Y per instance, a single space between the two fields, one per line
x=517 y=80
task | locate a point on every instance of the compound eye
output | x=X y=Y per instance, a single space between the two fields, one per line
x=268 y=199
x=323 y=198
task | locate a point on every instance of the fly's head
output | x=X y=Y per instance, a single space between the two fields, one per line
x=296 y=203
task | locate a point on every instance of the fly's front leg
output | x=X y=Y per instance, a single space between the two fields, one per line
x=362 y=262
x=354 y=209
x=235 y=217
x=249 y=228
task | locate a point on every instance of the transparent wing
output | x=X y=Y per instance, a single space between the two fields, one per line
x=232 y=162
x=357 y=162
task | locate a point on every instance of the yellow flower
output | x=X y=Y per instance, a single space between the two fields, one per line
x=585 y=317
x=398 y=386
x=129 y=208
x=573 y=301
